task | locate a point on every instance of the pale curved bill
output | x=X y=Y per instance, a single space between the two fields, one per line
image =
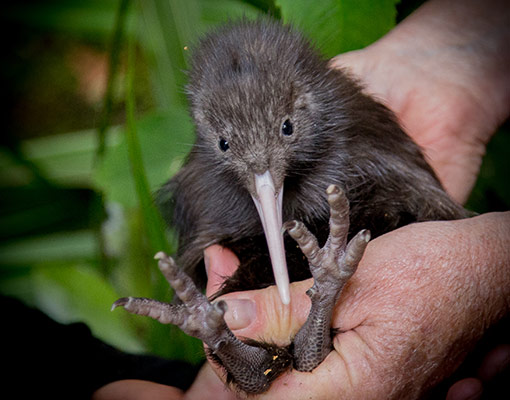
x=269 y=207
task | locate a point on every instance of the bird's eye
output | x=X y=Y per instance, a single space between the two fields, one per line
x=287 y=128
x=223 y=144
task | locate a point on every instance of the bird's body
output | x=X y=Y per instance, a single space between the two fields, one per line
x=281 y=136
x=246 y=81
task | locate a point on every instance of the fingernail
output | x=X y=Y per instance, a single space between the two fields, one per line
x=240 y=313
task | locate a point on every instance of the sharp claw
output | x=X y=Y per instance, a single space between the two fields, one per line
x=289 y=226
x=120 y=303
x=332 y=189
x=160 y=255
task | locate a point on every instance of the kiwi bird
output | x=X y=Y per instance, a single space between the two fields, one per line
x=280 y=136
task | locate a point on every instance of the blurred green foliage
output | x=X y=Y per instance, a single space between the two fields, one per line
x=77 y=174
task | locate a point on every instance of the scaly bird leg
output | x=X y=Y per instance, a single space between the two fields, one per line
x=331 y=267
x=252 y=367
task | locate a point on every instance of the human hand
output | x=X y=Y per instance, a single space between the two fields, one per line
x=432 y=108
x=435 y=71
x=489 y=379
x=134 y=389
x=443 y=71
x=420 y=299
x=206 y=385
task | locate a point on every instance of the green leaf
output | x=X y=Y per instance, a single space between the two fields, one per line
x=78 y=293
x=166 y=28
x=337 y=26
x=165 y=139
x=153 y=222
x=54 y=247
x=113 y=66
x=91 y=18
x=66 y=159
x=215 y=12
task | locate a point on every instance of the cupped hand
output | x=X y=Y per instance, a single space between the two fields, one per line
x=421 y=298
x=443 y=72
x=436 y=109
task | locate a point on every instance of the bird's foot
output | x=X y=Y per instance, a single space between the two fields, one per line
x=251 y=366
x=331 y=267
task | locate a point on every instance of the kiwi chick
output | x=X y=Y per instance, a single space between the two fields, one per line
x=282 y=137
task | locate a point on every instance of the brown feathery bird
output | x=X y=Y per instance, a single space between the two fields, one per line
x=282 y=137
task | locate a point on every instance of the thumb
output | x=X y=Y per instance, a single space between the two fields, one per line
x=258 y=314
x=269 y=319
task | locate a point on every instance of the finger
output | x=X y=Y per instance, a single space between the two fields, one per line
x=220 y=263
x=465 y=389
x=137 y=389
x=208 y=385
x=270 y=320
x=495 y=362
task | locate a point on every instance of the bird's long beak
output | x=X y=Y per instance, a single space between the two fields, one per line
x=269 y=206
